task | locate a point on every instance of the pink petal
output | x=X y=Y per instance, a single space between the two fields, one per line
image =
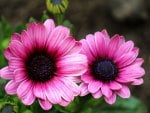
x=64 y=103
x=114 y=44
x=45 y=104
x=97 y=95
x=115 y=85
x=15 y=63
x=11 y=87
x=72 y=65
x=125 y=59
x=8 y=54
x=87 y=78
x=49 y=24
x=40 y=35
x=132 y=72
x=29 y=98
x=16 y=36
x=27 y=41
x=76 y=48
x=65 y=92
x=18 y=49
x=23 y=88
x=111 y=100
x=56 y=36
x=94 y=86
x=38 y=91
x=106 y=90
x=101 y=43
x=91 y=43
x=124 y=92
x=137 y=81
x=84 y=89
x=6 y=73
x=71 y=85
x=68 y=44
x=124 y=48
x=86 y=50
x=52 y=92
x=20 y=75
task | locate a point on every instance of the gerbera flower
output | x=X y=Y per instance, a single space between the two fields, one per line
x=112 y=65
x=44 y=63
x=57 y=6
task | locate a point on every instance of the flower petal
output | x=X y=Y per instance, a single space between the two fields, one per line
x=11 y=87
x=45 y=104
x=83 y=89
x=124 y=92
x=115 y=85
x=106 y=90
x=111 y=100
x=97 y=95
x=6 y=73
x=94 y=86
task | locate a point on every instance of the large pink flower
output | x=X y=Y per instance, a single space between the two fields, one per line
x=44 y=62
x=112 y=65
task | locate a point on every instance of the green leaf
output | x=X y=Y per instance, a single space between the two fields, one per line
x=131 y=105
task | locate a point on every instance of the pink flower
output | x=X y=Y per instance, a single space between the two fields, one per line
x=112 y=65
x=44 y=62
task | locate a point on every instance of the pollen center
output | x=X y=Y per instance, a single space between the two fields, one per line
x=40 y=68
x=56 y=2
x=104 y=70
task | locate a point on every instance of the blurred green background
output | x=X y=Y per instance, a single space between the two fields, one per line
x=130 y=18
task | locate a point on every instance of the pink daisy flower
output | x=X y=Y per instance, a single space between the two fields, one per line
x=44 y=63
x=112 y=65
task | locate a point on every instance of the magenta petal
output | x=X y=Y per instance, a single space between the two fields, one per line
x=6 y=73
x=106 y=90
x=38 y=90
x=20 y=75
x=56 y=36
x=124 y=48
x=65 y=92
x=83 y=89
x=94 y=86
x=137 y=81
x=68 y=44
x=29 y=98
x=111 y=100
x=24 y=88
x=64 y=103
x=40 y=35
x=91 y=43
x=8 y=54
x=114 y=44
x=97 y=95
x=11 y=87
x=115 y=85
x=49 y=24
x=87 y=77
x=86 y=50
x=18 y=49
x=125 y=59
x=72 y=65
x=16 y=36
x=71 y=85
x=52 y=92
x=124 y=92
x=101 y=43
x=45 y=104
x=27 y=41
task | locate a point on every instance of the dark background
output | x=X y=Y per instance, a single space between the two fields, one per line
x=130 y=18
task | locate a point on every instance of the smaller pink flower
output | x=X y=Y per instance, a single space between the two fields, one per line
x=112 y=66
x=44 y=63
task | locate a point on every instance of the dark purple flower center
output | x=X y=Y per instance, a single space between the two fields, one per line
x=104 y=70
x=40 y=67
x=56 y=2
